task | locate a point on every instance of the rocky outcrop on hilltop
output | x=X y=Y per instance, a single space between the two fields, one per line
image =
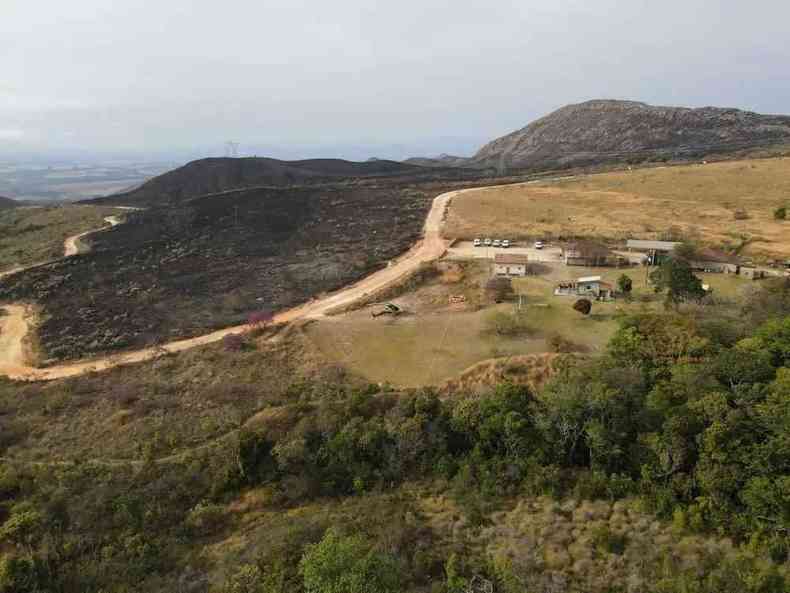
x=603 y=130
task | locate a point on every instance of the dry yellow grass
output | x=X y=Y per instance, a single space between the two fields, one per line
x=529 y=369
x=700 y=200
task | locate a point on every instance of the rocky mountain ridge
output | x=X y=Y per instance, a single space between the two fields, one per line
x=602 y=131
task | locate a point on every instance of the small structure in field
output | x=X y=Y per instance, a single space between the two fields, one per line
x=588 y=286
x=590 y=254
x=751 y=273
x=657 y=251
x=510 y=264
x=713 y=260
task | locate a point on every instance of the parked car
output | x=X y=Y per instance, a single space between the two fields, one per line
x=505 y=243
x=478 y=243
x=487 y=242
x=497 y=243
x=539 y=245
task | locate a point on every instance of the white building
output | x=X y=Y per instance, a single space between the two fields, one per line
x=510 y=264
x=589 y=286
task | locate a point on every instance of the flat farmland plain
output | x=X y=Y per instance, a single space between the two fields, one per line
x=695 y=201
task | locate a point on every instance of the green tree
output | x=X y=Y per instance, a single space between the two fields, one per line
x=676 y=277
x=339 y=564
x=780 y=213
x=772 y=337
x=24 y=528
x=625 y=285
x=685 y=250
x=499 y=288
x=23 y=575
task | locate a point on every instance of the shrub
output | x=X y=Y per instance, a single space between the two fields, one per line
x=250 y=578
x=499 y=288
x=508 y=324
x=583 y=306
x=205 y=518
x=608 y=542
x=625 y=284
x=740 y=214
x=233 y=343
x=780 y=213
x=260 y=319
x=340 y=564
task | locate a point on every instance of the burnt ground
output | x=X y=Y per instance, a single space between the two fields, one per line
x=214 y=175
x=207 y=263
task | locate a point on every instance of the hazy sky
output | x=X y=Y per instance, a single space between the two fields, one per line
x=359 y=78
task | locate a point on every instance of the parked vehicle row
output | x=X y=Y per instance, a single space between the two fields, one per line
x=492 y=242
x=502 y=243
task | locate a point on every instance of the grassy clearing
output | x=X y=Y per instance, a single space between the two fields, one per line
x=434 y=343
x=33 y=235
x=698 y=200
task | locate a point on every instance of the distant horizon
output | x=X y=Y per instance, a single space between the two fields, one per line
x=459 y=146
x=298 y=79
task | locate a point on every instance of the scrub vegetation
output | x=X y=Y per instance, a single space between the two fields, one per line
x=661 y=465
x=31 y=235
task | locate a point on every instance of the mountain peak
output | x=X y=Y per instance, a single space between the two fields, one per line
x=609 y=129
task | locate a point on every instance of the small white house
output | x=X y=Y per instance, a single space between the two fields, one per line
x=589 y=286
x=510 y=264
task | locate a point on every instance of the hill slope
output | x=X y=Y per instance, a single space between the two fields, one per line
x=7 y=203
x=443 y=160
x=603 y=130
x=212 y=175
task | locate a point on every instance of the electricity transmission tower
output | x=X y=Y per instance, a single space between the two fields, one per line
x=231 y=149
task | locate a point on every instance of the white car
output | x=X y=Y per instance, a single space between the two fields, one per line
x=487 y=242
x=478 y=243
x=497 y=243
x=539 y=245
x=505 y=243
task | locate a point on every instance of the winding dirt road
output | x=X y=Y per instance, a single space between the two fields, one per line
x=71 y=244
x=15 y=326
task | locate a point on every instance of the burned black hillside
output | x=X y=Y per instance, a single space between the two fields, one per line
x=207 y=263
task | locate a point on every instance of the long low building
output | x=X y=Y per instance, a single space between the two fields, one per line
x=510 y=264
x=647 y=245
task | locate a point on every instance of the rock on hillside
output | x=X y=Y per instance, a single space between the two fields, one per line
x=7 y=203
x=599 y=131
x=212 y=175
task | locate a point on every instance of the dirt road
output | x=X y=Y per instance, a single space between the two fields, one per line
x=13 y=329
x=71 y=244
x=429 y=248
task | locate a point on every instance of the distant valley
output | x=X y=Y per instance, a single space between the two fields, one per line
x=72 y=181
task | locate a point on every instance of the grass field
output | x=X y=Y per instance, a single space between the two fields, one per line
x=33 y=235
x=432 y=344
x=700 y=201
